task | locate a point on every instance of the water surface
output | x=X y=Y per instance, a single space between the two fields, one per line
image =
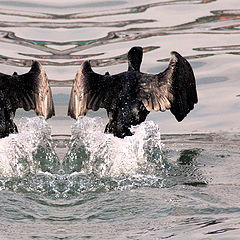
x=63 y=179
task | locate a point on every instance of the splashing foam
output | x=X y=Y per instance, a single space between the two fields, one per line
x=109 y=156
x=16 y=150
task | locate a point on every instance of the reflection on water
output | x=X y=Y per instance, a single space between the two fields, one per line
x=219 y=22
x=171 y=185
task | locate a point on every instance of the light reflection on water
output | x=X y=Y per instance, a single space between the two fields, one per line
x=186 y=188
x=61 y=40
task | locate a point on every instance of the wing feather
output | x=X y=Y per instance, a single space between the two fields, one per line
x=29 y=91
x=173 y=89
x=92 y=91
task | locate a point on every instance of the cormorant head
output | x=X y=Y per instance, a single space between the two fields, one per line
x=135 y=56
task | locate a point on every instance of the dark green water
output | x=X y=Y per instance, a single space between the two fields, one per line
x=67 y=180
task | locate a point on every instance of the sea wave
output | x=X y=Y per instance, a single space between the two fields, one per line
x=16 y=150
x=111 y=156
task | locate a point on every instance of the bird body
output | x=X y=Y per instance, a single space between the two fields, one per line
x=126 y=110
x=129 y=96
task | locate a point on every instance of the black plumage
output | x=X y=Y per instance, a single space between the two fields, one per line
x=129 y=96
x=28 y=91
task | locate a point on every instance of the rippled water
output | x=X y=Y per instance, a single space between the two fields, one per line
x=67 y=180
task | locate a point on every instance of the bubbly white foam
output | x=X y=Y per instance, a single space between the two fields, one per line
x=16 y=150
x=112 y=156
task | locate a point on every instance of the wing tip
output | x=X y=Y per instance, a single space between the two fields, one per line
x=175 y=56
x=50 y=114
x=86 y=67
x=72 y=110
x=36 y=66
x=175 y=53
x=71 y=114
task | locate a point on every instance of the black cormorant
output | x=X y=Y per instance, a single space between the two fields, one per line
x=28 y=91
x=129 y=96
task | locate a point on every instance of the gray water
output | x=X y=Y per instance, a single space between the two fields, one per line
x=66 y=179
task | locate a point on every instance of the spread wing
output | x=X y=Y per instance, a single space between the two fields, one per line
x=92 y=91
x=28 y=91
x=173 y=89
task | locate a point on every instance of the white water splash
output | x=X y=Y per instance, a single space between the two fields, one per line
x=110 y=156
x=16 y=150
